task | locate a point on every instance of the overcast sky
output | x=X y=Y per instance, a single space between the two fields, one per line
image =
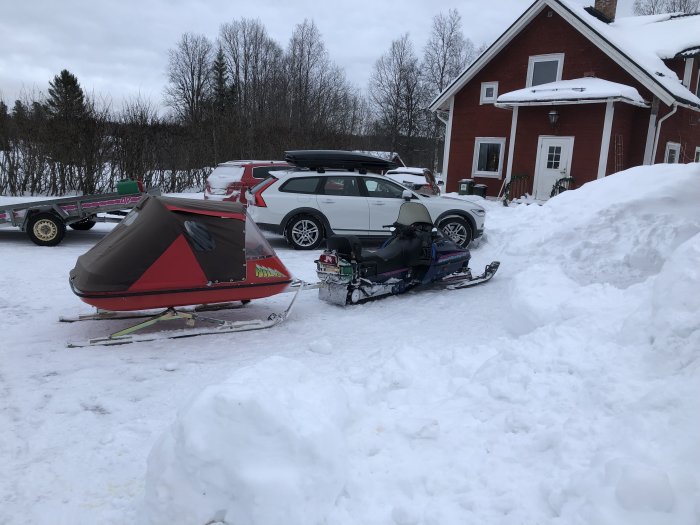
x=119 y=48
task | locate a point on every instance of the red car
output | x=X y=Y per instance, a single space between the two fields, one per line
x=230 y=180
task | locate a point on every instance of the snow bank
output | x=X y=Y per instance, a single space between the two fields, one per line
x=266 y=446
x=617 y=230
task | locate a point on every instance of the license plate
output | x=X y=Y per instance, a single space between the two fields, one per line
x=328 y=269
x=328 y=259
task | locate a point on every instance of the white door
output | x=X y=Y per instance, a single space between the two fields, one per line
x=340 y=200
x=553 y=163
x=384 y=198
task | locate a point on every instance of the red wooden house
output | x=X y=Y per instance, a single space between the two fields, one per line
x=568 y=92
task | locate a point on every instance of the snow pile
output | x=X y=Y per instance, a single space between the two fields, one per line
x=617 y=230
x=266 y=446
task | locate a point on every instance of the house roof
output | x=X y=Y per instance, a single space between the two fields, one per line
x=576 y=91
x=637 y=43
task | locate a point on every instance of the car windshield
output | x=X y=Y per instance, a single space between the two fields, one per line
x=222 y=176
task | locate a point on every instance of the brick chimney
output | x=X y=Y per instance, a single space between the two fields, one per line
x=607 y=7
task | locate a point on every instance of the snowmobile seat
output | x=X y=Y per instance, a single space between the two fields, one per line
x=348 y=245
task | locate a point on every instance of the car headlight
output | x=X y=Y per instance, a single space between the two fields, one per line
x=479 y=212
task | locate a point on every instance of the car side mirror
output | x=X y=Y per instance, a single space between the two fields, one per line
x=407 y=195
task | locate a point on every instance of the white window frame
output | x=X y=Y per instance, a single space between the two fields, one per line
x=483 y=99
x=559 y=57
x=697 y=154
x=501 y=141
x=675 y=146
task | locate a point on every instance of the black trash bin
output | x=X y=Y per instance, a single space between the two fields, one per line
x=465 y=186
x=480 y=190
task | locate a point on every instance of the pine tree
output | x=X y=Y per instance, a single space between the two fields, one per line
x=221 y=92
x=66 y=98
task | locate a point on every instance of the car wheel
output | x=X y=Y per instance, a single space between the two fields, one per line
x=304 y=232
x=46 y=229
x=458 y=230
x=83 y=225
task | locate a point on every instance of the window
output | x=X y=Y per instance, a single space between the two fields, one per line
x=697 y=154
x=488 y=156
x=341 y=186
x=262 y=172
x=383 y=189
x=199 y=236
x=489 y=92
x=553 y=157
x=301 y=185
x=673 y=153
x=542 y=69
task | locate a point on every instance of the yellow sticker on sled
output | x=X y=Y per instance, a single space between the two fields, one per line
x=264 y=271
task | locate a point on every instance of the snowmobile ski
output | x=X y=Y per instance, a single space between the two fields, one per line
x=191 y=317
x=469 y=281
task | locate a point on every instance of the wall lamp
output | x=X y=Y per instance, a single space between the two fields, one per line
x=553 y=117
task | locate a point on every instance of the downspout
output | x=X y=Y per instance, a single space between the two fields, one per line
x=439 y=115
x=511 y=149
x=448 y=140
x=658 y=132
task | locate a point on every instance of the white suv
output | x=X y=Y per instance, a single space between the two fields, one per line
x=307 y=206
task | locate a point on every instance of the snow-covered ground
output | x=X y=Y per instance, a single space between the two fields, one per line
x=565 y=391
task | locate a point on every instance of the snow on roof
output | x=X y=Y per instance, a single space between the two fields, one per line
x=667 y=35
x=408 y=170
x=385 y=155
x=646 y=40
x=577 y=90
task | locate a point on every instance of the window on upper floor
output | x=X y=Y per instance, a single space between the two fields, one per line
x=542 y=69
x=489 y=92
x=488 y=157
x=673 y=153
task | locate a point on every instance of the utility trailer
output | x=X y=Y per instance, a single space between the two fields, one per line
x=45 y=221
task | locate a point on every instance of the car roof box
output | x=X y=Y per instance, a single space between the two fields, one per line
x=321 y=160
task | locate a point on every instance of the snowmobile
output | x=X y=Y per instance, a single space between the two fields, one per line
x=171 y=252
x=416 y=254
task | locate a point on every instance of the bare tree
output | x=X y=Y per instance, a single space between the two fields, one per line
x=653 y=7
x=189 y=75
x=446 y=54
x=306 y=63
x=255 y=64
x=394 y=89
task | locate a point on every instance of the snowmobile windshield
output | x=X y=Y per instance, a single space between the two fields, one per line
x=413 y=212
x=256 y=246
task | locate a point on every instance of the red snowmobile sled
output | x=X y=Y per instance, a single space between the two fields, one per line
x=171 y=252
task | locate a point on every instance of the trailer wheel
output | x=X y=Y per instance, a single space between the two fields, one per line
x=46 y=229
x=83 y=225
